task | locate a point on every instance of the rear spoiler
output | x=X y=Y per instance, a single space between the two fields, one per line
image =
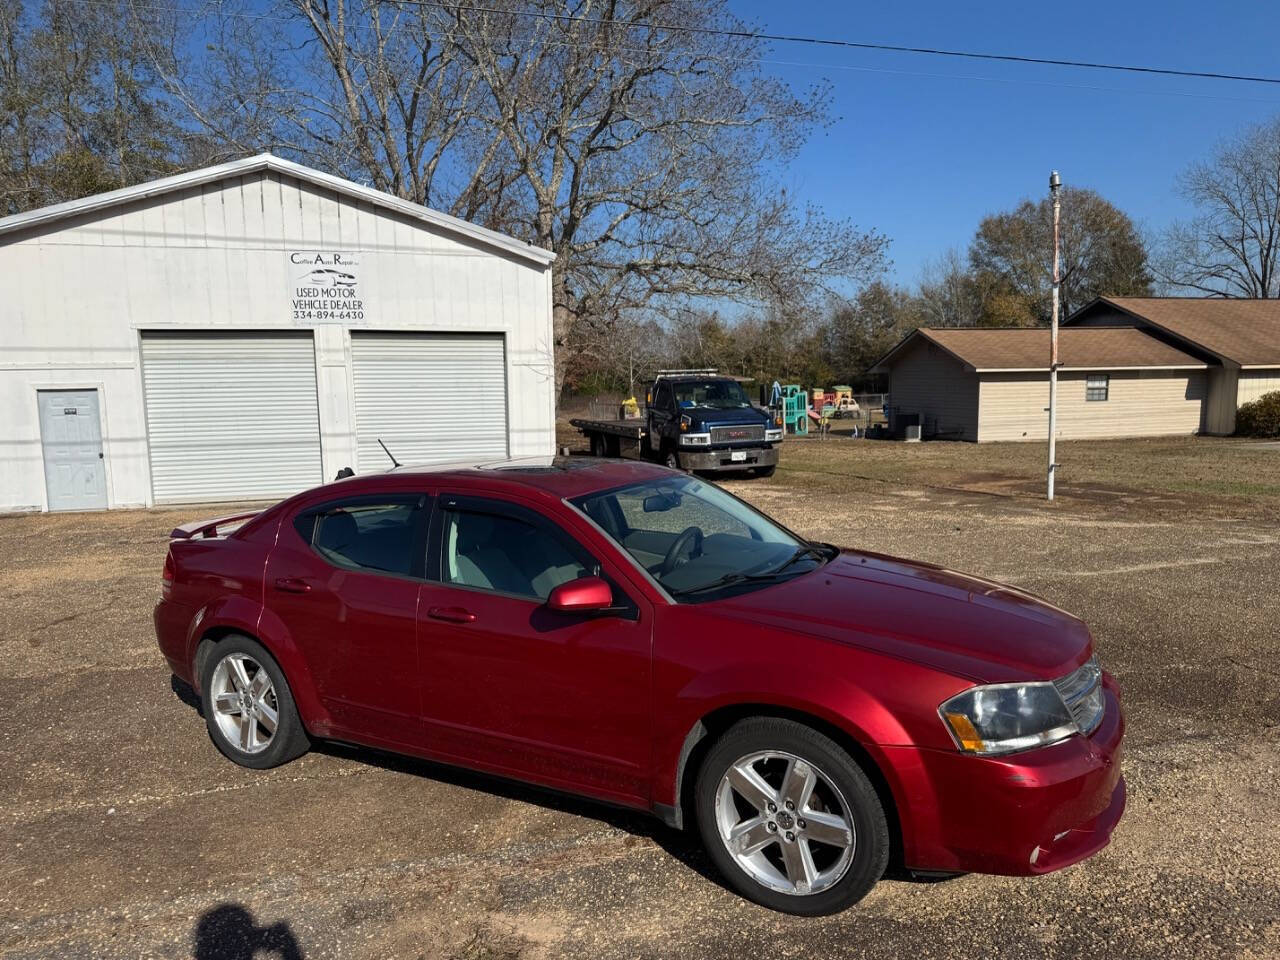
x=209 y=528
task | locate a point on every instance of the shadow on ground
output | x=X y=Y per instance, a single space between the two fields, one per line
x=682 y=845
x=229 y=932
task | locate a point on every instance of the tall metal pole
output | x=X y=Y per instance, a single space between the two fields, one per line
x=1055 y=183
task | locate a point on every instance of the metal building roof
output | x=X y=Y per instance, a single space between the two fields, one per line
x=266 y=162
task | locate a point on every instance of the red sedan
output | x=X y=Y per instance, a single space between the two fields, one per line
x=640 y=636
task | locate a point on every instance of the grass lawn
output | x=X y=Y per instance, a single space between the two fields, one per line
x=1181 y=467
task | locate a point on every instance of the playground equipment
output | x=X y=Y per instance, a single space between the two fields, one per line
x=842 y=399
x=839 y=398
x=795 y=410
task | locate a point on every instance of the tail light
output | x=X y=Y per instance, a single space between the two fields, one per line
x=168 y=574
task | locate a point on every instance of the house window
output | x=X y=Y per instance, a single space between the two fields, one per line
x=1095 y=386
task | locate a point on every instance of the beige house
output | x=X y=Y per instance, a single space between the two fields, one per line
x=1238 y=339
x=984 y=384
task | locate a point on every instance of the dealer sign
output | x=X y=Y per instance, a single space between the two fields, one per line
x=325 y=287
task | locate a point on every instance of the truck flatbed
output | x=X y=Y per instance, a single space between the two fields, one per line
x=630 y=429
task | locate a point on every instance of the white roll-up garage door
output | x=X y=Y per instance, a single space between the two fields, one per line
x=231 y=416
x=430 y=397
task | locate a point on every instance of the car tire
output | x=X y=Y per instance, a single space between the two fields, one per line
x=817 y=857
x=597 y=445
x=224 y=693
x=765 y=471
x=672 y=459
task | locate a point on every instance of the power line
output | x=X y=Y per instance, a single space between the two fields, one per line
x=217 y=11
x=853 y=44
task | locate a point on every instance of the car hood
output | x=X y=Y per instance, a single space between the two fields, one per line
x=968 y=626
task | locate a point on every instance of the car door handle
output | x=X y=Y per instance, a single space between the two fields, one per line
x=293 y=585
x=451 y=614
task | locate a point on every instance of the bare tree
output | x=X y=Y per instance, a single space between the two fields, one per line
x=1230 y=249
x=637 y=147
x=374 y=90
x=612 y=132
x=948 y=294
x=82 y=108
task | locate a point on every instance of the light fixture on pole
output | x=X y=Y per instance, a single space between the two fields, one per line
x=1055 y=184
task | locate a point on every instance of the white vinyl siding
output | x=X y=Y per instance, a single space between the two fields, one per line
x=1254 y=383
x=430 y=397
x=1148 y=403
x=929 y=381
x=230 y=415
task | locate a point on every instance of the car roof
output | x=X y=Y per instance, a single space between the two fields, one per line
x=561 y=477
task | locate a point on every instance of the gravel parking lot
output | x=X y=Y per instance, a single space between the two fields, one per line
x=126 y=834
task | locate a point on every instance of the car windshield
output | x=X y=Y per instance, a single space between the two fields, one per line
x=718 y=394
x=698 y=541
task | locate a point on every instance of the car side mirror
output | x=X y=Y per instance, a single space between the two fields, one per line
x=584 y=595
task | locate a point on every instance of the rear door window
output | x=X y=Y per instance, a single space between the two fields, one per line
x=378 y=534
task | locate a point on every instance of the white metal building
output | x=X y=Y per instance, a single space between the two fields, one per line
x=245 y=331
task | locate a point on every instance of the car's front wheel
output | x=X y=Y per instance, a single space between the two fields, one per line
x=790 y=819
x=248 y=707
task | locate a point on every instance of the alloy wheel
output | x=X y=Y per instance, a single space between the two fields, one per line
x=245 y=705
x=785 y=823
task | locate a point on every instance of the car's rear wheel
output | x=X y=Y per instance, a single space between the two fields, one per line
x=248 y=707
x=790 y=819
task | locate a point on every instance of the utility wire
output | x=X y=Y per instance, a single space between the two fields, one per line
x=850 y=44
x=217 y=11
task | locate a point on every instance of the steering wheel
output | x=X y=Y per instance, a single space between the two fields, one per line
x=690 y=539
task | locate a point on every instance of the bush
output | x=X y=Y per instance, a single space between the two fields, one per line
x=1261 y=417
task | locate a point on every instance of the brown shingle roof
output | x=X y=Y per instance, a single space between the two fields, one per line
x=1245 y=331
x=1080 y=348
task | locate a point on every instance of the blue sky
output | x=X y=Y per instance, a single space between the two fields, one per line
x=921 y=152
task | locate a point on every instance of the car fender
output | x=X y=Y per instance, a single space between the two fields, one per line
x=234 y=614
x=792 y=690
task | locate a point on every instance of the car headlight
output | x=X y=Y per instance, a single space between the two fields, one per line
x=772 y=435
x=1006 y=717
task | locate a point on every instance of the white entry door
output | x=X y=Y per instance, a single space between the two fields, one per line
x=75 y=473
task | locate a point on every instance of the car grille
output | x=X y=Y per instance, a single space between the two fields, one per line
x=738 y=433
x=1081 y=690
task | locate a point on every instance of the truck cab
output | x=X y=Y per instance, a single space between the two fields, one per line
x=699 y=420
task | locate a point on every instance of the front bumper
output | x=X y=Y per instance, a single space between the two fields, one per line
x=1028 y=813
x=707 y=461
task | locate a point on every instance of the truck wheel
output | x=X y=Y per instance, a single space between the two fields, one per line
x=597 y=445
x=672 y=460
x=765 y=471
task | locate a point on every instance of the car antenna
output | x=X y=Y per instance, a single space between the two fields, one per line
x=394 y=461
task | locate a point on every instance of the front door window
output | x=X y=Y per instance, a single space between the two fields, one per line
x=506 y=555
